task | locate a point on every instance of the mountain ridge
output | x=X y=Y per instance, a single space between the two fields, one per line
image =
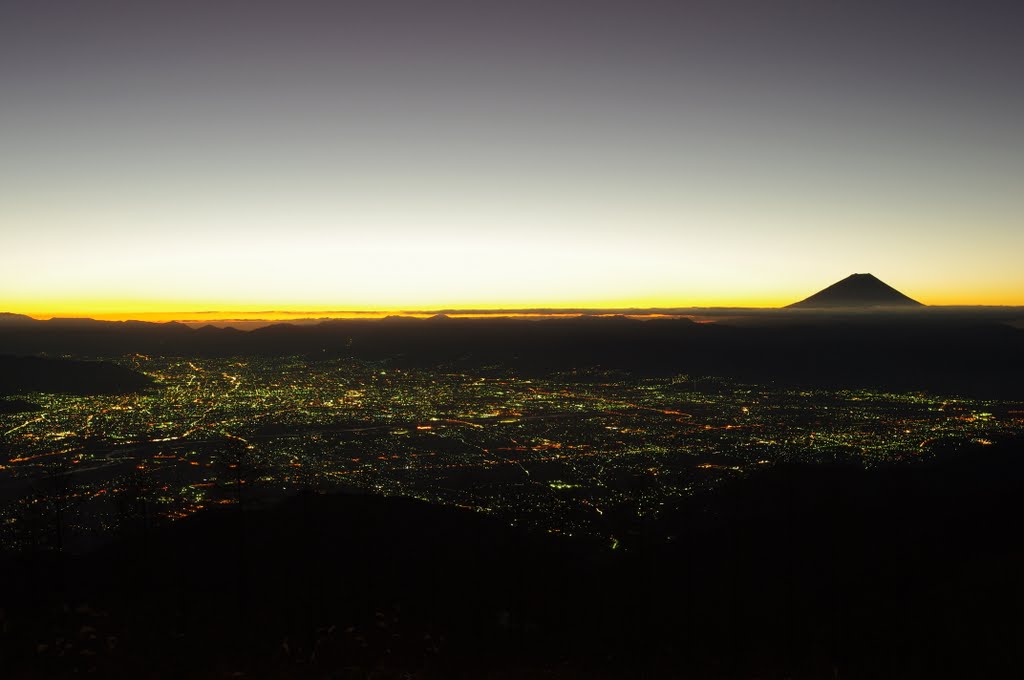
x=857 y=291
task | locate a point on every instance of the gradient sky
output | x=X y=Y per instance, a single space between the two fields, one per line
x=197 y=155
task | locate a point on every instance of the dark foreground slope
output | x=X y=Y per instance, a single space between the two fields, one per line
x=33 y=374
x=800 y=572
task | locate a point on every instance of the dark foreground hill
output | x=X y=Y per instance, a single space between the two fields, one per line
x=910 y=571
x=34 y=374
x=17 y=406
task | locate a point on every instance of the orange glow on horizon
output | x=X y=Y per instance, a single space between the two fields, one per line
x=304 y=315
x=205 y=310
x=718 y=290
x=163 y=311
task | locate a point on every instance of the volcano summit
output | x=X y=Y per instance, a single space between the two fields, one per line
x=857 y=290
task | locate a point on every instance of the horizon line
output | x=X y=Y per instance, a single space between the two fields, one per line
x=267 y=315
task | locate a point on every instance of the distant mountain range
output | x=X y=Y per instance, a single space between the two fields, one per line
x=858 y=332
x=975 y=352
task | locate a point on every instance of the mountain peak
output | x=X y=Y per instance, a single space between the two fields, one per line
x=857 y=290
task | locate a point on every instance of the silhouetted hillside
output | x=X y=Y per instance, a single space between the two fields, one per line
x=945 y=352
x=908 y=571
x=857 y=290
x=34 y=374
x=9 y=319
x=17 y=406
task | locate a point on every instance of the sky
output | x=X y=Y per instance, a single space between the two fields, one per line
x=172 y=157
